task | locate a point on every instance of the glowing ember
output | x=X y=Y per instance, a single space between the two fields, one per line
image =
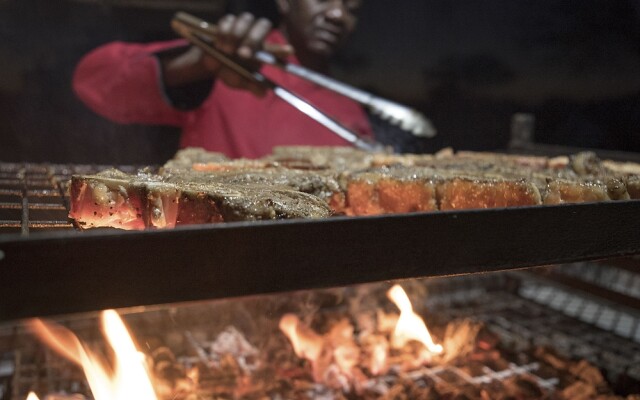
x=306 y=343
x=410 y=325
x=32 y=396
x=377 y=348
x=128 y=379
x=345 y=351
x=334 y=356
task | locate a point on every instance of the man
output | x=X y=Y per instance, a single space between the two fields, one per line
x=176 y=84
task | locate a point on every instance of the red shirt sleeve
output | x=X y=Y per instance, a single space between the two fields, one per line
x=122 y=82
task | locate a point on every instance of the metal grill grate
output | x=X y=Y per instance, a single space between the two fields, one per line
x=605 y=275
x=33 y=197
x=537 y=312
x=448 y=378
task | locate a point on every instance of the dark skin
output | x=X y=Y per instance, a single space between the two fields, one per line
x=315 y=29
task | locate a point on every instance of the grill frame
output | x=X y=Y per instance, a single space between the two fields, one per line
x=97 y=270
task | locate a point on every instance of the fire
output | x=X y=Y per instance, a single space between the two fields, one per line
x=32 y=396
x=334 y=356
x=378 y=349
x=306 y=343
x=410 y=325
x=128 y=379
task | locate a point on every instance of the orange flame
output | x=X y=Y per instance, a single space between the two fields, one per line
x=333 y=356
x=377 y=348
x=32 y=396
x=306 y=343
x=410 y=325
x=345 y=352
x=128 y=379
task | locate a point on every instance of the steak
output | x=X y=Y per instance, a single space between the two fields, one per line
x=115 y=199
x=308 y=182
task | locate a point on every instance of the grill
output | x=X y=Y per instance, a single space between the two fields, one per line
x=239 y=259
x=524 y=309
x=584 y=308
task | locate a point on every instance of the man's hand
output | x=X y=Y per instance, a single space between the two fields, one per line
x=239 y=37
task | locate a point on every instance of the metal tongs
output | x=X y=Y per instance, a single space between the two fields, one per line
x=202 y=34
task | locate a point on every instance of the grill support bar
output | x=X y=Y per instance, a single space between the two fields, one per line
x=66 y=272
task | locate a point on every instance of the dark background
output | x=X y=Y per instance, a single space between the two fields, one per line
x=467 y=64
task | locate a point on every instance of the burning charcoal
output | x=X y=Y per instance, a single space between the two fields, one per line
x=170 y=374
x=229 y=366
x=486 y=339
x=473 y=368
x=386 y=322
x=64 y=397
x=579 y=391
x=464 y=392
x=163 y=354
x=498 y=364
x=493 y=390
x=376 y=353
x=365 y=322
x=460 y=339
x=411 y=356
x=422 y=393
x=587 y=372
x=485 y=357
x=222 y=379
x=523 y=388
x=551 y=358
x=407 y=389
x=232 y=342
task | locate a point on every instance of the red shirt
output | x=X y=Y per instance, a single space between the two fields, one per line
x=123 y=83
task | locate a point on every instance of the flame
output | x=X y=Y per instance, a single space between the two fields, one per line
x=306 y=343
x=32 y=396
x=377 y=349
x=333 y=357
x=345 y=352
x=127 y=380
x=410 y=325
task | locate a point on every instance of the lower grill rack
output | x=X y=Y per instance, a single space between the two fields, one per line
x=538 y=322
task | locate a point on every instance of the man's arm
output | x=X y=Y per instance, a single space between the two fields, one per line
x=123 y=82
x=239 y=37
x=153 y=83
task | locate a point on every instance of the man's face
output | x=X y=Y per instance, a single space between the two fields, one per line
x=321 y=26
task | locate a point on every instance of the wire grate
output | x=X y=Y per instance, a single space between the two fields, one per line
x=33 y=197
x=606 y=276
x=526 y=311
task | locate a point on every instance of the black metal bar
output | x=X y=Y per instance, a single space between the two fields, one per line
x=65 y=272
x=24 y=228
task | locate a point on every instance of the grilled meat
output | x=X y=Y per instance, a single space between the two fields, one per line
x=115 y=199
x=307 y=182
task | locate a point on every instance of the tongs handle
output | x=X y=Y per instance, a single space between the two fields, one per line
x=211 y=31
x=193 y=29
x=408 y=118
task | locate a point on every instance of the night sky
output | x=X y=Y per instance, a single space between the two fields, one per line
x=580 y=49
